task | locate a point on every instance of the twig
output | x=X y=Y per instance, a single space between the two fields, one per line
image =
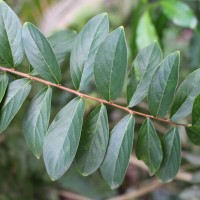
x=13 y=71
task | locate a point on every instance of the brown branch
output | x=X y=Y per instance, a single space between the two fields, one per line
x=13 y=71
x=71 y=196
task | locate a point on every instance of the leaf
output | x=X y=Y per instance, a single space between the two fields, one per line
x=193 y=134
x=94 y=141
x=40 y=53
x=148 y=147
x=146 y=32
x=171 y=156
x=3 y=84
x=36 y=121
x=180 y=13
x=185 y=96
x=196 y=111
x=16 y=94
x=11 y=50
x=163 y=85
x=110 y=65
x=62 y=43
x=63 y=137
x=141 y=73
x=116 y=161
x=85 y=48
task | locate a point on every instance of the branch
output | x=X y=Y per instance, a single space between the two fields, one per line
x=82 y=95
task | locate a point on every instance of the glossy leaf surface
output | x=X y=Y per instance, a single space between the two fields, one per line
x=163 y=85
x=115 y=164
x=16 y=94
x=94 y=141
x=148 y=147
x=141 y=73
x=62 y=43
x=193 y=134
x=40 y=53
x=110 y=65
x=171 y=156
x=185 y=96
x=85 y=49
x=63 y=137
x=37 y=120
x=11 y=50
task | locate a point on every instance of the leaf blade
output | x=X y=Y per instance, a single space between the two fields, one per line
x=85 y=49
x=36 y=121
x=185 y=96
x=110 y=65
x=11 y=50
x=171 y=156
x=40 y=53
x=64 y=133
x=115 y=164
x=3 y=84
x=94 y=141
x=148 y=147
x=163 y=85
x=17 y=92
x=141 y=73
x=193 y=134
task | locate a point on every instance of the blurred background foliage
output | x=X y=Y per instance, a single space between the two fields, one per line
x=175 y=24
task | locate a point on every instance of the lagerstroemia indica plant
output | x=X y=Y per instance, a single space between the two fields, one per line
x=102 y=56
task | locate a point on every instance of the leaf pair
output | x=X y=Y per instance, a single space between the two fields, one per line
x=105 y=56
x=163 y=158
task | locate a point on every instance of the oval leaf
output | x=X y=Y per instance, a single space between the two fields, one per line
x=94 y=141
x=36 y=121
x=85 y=49
x=148 y=147
x=163 y=85
x=62 y=43
x=40 y=53
x=11 y=50
x=110 y=65
x=116 y=161
x=16 y=94
x=180 y=13
x=171 y=156
x=141 y=73
x=146 y=32
x=196 y=111
x=193 y=134
x=3 y=84
x=63 y=137
x=185 y=96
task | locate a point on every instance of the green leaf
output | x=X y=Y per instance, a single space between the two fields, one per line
x=146 y=32
x=180 y=13
x=3 y=84
x=116 y=161
x=163 y=85
x=185 y=96
x=193 y=134
x=141 y=73
x=11 y=50
x=85 y=49
x=110 y=65
x=62 y=43
x=171 y=156
x=94 y=141
x=16 y=94
x=63 y=137
x=40 y=53
x=36 y=121
x=148 y=147
x=196 y=111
